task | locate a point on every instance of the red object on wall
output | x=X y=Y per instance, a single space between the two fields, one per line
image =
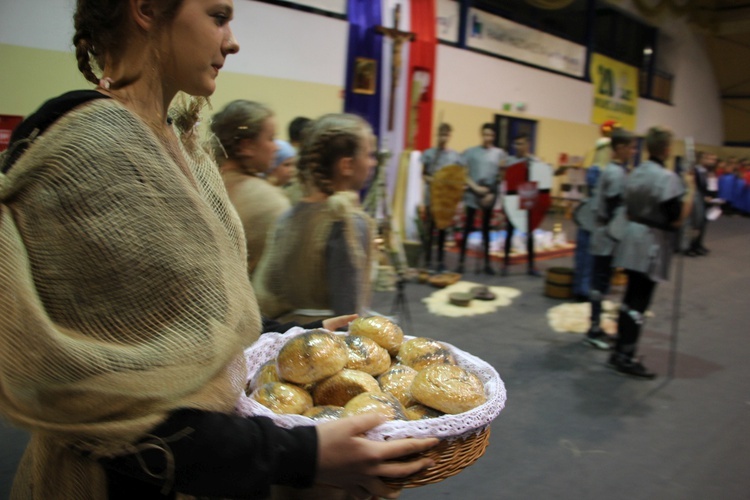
x=422 y=53
x=7 y=124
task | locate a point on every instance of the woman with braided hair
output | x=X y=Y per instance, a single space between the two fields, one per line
x=318 y=257
x=126 y=304
x=244 y=148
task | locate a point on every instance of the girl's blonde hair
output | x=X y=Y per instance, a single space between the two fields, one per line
x=327 y=140
x=238 y=120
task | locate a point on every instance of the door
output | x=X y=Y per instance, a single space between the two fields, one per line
x=509 y=127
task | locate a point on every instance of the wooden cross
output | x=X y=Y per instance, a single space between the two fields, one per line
x=398 y=37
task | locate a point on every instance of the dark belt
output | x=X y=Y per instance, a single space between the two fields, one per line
x=649 y=223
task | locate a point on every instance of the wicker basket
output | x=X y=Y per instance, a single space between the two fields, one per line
x=456 y=450
x=450 y=456
x=443 y=280
x=619 y=278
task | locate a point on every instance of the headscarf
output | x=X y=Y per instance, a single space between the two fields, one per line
x=284 y=151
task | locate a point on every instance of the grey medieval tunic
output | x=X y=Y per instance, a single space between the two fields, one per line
x=647 y=244
x=259 y=204
x=483 y=167
x=606 y=201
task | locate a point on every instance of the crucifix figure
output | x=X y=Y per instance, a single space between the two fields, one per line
x=398 y=37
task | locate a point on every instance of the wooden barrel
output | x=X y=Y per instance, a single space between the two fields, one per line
x=559 y=284
x=619 y=278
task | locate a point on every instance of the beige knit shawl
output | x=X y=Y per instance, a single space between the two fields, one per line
x=258 y=203
x=124 y=295
x=292 y=272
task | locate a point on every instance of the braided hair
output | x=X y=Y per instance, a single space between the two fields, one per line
x=240 y=119
x=327 y=140
x=100 y=28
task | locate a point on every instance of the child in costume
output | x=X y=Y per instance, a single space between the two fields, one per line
x=244 y=148
x=318 y=259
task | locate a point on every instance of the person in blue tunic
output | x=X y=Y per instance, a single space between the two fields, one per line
x=584 y=261
x=606 y=205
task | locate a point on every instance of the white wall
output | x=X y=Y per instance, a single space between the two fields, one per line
x=37 y=24
x=465 y=77
x=274 y=41
x=283 y=43
x=473 y=79
x=696 y=110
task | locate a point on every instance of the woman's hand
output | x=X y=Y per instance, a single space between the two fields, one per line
x=689 y=179
x=482 y=190
x=333 y=324
x=356 y=464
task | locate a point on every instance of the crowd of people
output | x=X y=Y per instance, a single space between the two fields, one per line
x=637 y=216
x=483 y=190
x=729 y=180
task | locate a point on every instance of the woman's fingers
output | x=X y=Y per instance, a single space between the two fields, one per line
x=360 y=424
x=348 y=460
x=332 y=324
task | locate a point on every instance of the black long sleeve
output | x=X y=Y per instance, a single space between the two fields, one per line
x=672 y=209
x=270 y=325
x=222 y=455
x=612 y=203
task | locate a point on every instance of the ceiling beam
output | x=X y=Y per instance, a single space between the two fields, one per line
x=731 y=7
x=724 y=21
x=732 y=22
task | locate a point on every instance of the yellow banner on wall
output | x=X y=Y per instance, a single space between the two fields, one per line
x=615 y=91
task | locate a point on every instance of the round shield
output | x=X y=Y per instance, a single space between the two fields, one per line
x=527 y=197
x=446 y=191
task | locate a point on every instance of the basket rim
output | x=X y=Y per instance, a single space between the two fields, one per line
x=445 y=427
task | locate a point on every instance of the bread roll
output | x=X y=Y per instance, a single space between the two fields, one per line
x=265 y=374
x=283 y=398
x=366 y=355
x=312 y=356
x=397 y=381
x=421 y=412
x=448 y=388
x=340 y=388
x=327 y=412
x=381 y=403
x=382 y=330
x=421 y=352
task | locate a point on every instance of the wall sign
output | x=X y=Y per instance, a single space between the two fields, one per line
x=615 y=87
x=500 y=36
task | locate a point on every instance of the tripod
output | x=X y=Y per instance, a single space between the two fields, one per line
x=400 y=307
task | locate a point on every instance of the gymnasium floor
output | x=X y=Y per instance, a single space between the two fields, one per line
x=573 y=429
